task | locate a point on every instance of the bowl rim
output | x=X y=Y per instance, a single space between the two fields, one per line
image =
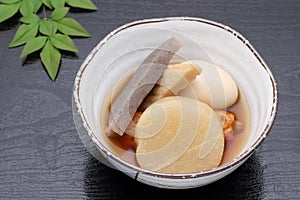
x=234 y=163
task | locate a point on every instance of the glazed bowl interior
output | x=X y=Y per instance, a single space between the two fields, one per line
x=126 y=47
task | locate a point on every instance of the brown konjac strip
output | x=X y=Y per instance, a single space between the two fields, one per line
x=142 y=82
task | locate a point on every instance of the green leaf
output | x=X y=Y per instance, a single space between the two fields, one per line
x=26 y=7
x=7 y=11
x=9 y=1
x=59 y=13
x=50 y=57
x=36 y=5
x=47 y=3
x=85 y=4
x=63 y=42
x=58 y=3
x=70 y=26
x=33 y=45
x=48 y=27
x=23 y=34
x=30 y=19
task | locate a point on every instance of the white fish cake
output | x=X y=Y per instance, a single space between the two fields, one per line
x=174 y=79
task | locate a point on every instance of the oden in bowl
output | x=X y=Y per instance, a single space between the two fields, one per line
x=104 y=75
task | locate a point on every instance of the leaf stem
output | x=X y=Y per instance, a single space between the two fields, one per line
x=44 y=12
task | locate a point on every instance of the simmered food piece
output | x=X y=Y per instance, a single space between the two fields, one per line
x=230 y=124
x=213 y=86
x=179 y=135
x=175 y=78
x=142 y=82
x=131 y=128
x=228 y=120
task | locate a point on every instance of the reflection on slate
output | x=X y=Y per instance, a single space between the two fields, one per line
x=10 y=23
x=104 y=182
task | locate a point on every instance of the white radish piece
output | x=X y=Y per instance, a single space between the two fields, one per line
x=179 y=135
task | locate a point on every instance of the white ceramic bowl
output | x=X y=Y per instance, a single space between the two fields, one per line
x=200 y=38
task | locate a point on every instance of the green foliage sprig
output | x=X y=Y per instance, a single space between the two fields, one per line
x=47 y=35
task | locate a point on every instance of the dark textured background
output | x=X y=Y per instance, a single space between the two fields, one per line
x=42 y=157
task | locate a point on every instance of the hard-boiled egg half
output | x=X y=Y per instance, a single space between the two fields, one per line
x=213 y=86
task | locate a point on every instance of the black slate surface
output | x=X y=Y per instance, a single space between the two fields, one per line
x=42 y=157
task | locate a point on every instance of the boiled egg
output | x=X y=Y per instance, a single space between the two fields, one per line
x=214 y=86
